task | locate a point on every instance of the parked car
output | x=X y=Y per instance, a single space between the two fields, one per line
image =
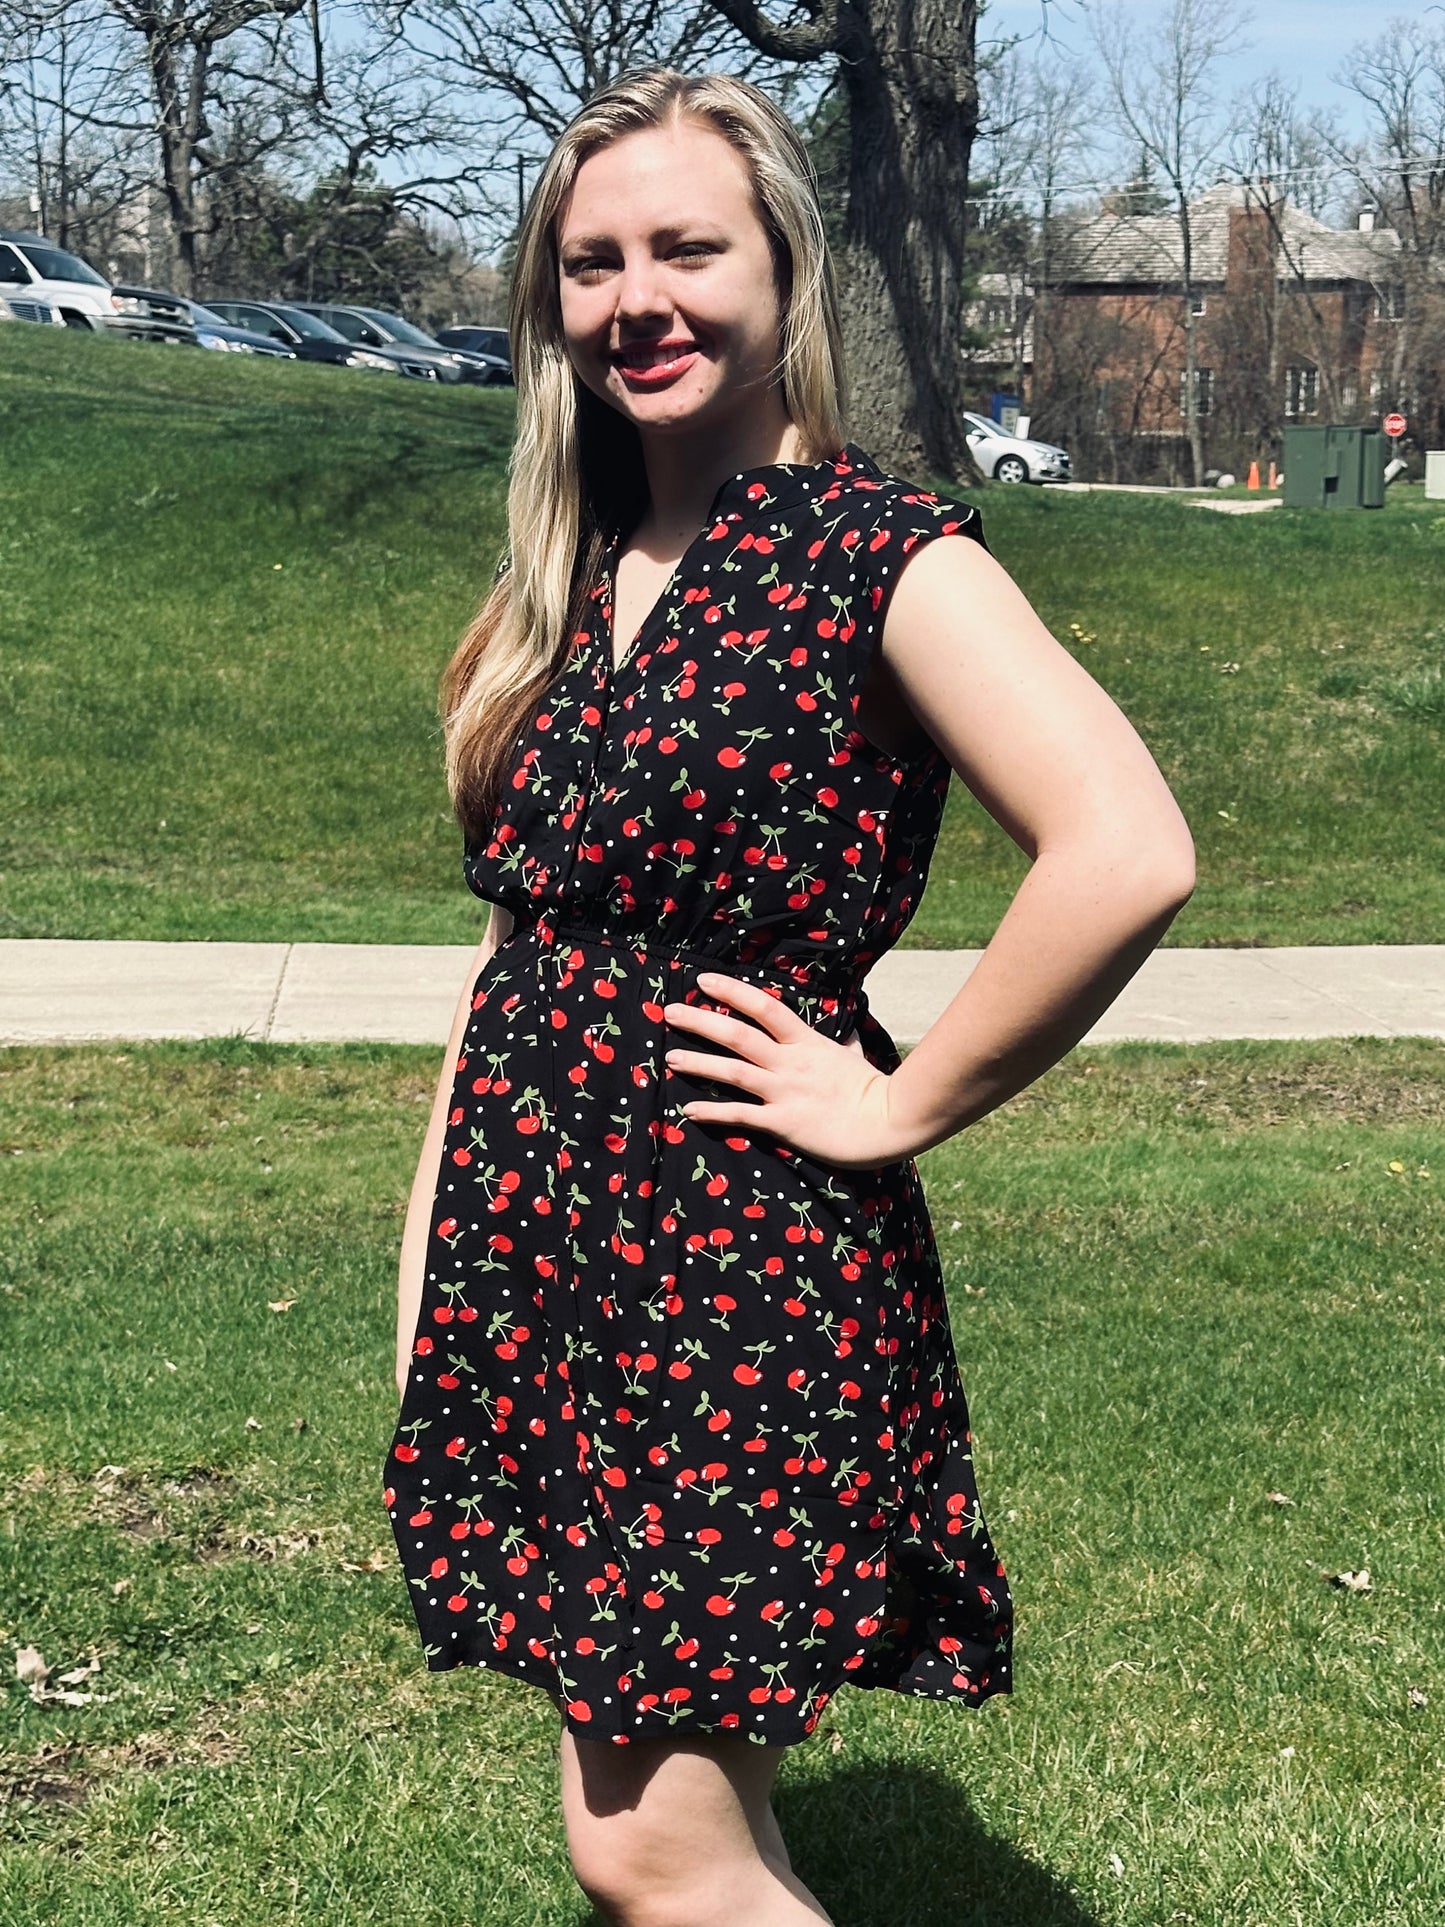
x=492 y=342
x=33 y=269
x=387 y=334
x=19 y=308
x=300 y=331
x=212 y=332
x=487 y=371
x=1014 y=458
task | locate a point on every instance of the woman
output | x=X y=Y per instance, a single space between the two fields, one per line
x=682 y=1438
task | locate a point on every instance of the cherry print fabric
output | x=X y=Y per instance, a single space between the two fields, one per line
x=684 y=1440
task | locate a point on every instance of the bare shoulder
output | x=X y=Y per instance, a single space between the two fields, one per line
x=949 y=588
x=1041 y=744
x=966 y=646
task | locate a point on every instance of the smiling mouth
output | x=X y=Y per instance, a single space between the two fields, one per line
x=650 y=355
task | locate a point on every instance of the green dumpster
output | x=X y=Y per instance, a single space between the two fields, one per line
x=1334 y=467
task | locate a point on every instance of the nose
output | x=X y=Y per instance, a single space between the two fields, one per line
x=640 y=296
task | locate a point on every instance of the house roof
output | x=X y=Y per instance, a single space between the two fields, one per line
x=1129 y=249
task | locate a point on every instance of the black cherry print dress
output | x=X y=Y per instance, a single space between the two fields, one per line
x=684 y=1440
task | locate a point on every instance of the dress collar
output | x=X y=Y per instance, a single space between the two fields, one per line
x=787 y=484
x=773 y=485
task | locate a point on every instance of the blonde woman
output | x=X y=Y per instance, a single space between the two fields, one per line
x=682 y=1438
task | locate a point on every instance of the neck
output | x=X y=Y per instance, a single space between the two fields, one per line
x=684 y=472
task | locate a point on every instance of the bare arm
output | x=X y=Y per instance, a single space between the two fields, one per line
x=423 y=1191
x=1056 y=763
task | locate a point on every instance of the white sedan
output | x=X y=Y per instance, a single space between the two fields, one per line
x=1014 y=458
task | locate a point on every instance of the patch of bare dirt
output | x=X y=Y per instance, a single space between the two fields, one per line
x=66 y=1773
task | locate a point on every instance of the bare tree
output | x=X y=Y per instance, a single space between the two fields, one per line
x=910 y=78
x=1398 y=171
x=1163 y=101
x=61 y=66
x=1038 y=138
x=1283 y=165
x=375 y=113
x=196 y=52
x=524 y=68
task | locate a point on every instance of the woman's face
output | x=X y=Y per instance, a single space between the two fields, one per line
x=669 y=306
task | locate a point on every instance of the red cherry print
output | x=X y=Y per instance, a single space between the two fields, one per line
x=697 y=1371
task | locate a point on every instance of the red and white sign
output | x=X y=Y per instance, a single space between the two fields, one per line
x=1394 y=426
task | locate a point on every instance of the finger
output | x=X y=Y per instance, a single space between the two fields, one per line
x=723 y=1070
x=747 y=1117
x=737 y=1033
x=771 y=1012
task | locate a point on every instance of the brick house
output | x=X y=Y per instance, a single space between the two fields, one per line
x=1293 y=320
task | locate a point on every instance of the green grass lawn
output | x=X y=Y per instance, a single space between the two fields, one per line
x=229 y=589
x=1182 y=1282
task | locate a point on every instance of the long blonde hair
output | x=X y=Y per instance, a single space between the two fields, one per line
x=576 y=476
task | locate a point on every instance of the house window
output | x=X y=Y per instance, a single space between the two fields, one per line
x=1390 y=304
x=1203 y=390
x=1348 y=393
x=1301 y=392
x=1377 y=388
x=1196 y=304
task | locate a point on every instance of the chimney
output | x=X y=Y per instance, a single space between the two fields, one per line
x=1367 y=221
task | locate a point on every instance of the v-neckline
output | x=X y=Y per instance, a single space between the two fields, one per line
x=609 y=601
x=612 y=667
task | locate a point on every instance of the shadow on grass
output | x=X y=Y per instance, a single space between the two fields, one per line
x=896 y=1842
x=900 y=1846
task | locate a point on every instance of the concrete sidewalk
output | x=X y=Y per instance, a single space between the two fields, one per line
x=59 y=991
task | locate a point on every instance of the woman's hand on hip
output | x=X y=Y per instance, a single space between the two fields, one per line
x=823 y=1098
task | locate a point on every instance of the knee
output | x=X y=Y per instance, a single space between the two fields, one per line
x=628 y=1881
x=610 y=1874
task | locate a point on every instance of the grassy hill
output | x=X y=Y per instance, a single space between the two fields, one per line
x=228 y=589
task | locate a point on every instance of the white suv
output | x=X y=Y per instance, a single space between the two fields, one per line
x=34 y=269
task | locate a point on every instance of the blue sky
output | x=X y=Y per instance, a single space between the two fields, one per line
x=1305 y=40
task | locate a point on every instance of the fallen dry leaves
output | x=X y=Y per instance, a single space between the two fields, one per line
x=31 y=1669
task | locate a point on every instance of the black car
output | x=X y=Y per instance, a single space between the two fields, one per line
x=481 y=341
x=213 y=332
x=388 y=334
x=306 y=337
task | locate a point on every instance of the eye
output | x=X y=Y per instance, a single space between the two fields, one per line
x=695 y=250
x=585 y=266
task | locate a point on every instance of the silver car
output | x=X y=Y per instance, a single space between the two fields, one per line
x=1014 y=458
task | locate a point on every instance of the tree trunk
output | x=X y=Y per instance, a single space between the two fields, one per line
x=1194 y=434
x=913 y=114
x=177 y=118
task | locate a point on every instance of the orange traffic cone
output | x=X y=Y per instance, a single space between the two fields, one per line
x=1253 y=481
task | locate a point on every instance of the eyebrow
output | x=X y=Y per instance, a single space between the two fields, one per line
x=582 y=242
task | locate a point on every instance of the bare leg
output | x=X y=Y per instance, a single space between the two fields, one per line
x=681 y=1833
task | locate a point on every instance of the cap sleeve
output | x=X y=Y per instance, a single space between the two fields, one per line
x=907 y=517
